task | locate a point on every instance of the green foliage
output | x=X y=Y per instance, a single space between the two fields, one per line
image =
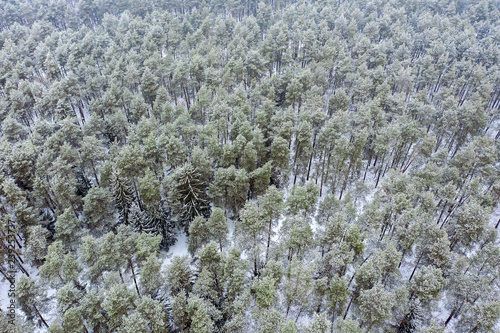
x=375 y=305
x=320 y=324
x=59 y=267
x=326 y=159
x=190 y=194
x=119 y=300
x=427 y=283
x=348 y=326
x=179 y=275
x=265 y=291
x=150 y=189
x=302 y=199
x=67 y=228
x=97 y=208
x=151 y=278
x=30 y=297
x=229 y=188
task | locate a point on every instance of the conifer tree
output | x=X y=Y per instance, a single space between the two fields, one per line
x=30 y=296
x=123 y=195
x=190 y=194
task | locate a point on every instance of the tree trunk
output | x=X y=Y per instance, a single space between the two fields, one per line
x=40 y=315
x=269 y=238
x=95 y=173
x=133 y=274
x=325 y=177
x=348 y=307
x=449 y=317
x=416 y=266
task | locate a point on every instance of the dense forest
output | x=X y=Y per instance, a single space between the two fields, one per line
x=203 y=166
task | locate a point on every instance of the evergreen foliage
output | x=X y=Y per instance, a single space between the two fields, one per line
x=334 y=165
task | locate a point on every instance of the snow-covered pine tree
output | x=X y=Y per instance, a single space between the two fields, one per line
x=123 y=194
x=191 y=195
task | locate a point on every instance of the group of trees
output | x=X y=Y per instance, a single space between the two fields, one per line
x=333 y=163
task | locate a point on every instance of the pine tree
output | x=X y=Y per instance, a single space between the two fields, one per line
x=73 y=321
x=199 y=234
x=123 y=195
x=134 y=323
x=59 y=267
x=268 y=319
x=199 y=316
x=270 y=204
x=179 y=275
x=218 y=227
x=250 y=230
x=68 y=228
x=68 y=296
x=298 y=285
x=150 y=189
x=303 y=200
x=265 y=292
x=427 y=284
x=119 y=301
x=204 y=286
x=230 y=188
x=30 y=297
x=348 y=326
x=375 y=305
x=320 y=324
x=337 y=295
x=92 y=152
x=180 y=316
x=190 y=194
x=36 y=245
x=97 y=208
x=155 y=313
x=93 y=312
x=151 y=278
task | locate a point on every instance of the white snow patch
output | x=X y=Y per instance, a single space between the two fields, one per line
x=49 y=312
x=179 y=249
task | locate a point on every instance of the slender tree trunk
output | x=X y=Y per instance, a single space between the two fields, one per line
x=322 y=162
x=449 y=317
x=298 y=315
x=416 y=266
x=402 y=257
x=442 y=211
x=95 y=173
x=133 y=274
x=269 y=238
x=447 y=216
x=40 y=315
x=366 y=169
x=311 y=158
x=295 y=162
x=121 y=275
x=255 y=267
x=348 y=307
x=325 y=177
x=309 y=167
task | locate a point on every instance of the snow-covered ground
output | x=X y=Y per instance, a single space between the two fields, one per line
x=49 y=312
x=179 y=249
